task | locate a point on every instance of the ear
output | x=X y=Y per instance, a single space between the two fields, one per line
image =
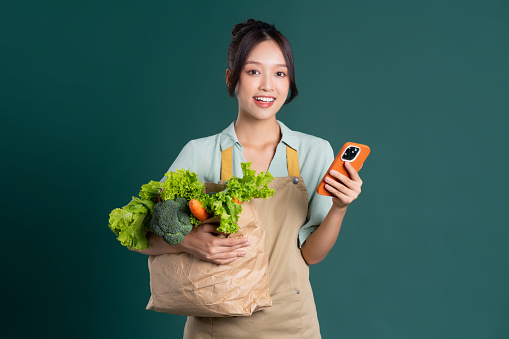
x=227 y=75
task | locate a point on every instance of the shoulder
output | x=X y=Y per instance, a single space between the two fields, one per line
x=305 y=143
x=204 y=144
x=313 y=148
x=308 y=141
x=196 y=153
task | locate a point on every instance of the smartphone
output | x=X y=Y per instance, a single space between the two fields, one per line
x=354 y=153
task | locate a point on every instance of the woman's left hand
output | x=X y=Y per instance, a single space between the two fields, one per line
x=346 y=190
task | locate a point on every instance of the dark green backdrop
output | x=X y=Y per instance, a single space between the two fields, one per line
x=97 y=98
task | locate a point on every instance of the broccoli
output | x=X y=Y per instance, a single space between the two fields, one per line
x=171 y=219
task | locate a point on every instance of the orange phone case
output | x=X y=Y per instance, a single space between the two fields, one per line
x=351 y=152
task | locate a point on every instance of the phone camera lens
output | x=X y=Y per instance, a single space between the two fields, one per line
x=350 y=153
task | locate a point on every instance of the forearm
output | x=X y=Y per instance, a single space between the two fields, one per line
x=159 y=246
x=320 y=242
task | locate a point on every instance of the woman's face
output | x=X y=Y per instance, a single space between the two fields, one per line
x=263 y=83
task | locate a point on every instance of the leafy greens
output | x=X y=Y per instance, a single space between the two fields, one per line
x=131 y=222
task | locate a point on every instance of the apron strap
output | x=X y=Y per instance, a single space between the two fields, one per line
x=226 y=164
x=292 y=162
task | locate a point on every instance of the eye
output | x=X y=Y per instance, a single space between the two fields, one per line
x=281 y=74
x=252 y=72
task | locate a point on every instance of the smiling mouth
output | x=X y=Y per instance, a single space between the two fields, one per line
x=264 y=102
x=264 y=99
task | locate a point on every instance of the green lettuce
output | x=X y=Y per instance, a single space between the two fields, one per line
x=182 y=184
x=250 y=185
x=223 y=206
x=149 y=191
x=244 y=189
x=131 y=222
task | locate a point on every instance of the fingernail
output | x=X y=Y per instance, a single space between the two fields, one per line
x=247 y=243
x=333 y=172
x=243 y=253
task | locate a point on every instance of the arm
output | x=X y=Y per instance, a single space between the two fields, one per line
x=320 y=242
x=158 y=246
x=202 y=242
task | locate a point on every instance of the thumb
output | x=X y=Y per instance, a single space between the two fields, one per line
x=208 y=228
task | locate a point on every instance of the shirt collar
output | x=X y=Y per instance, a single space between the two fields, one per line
x=229 y=138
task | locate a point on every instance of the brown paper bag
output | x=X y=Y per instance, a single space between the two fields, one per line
x=182 y=284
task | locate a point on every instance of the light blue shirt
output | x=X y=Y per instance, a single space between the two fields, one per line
x=203 y=156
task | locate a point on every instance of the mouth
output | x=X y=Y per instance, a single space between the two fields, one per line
x=264 y=101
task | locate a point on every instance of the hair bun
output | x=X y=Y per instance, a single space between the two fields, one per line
x=250 y=25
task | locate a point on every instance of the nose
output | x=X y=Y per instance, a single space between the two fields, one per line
x=266 y=83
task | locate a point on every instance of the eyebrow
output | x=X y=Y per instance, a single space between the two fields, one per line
x=257 y=63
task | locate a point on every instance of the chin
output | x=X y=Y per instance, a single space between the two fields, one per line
x=266 y=116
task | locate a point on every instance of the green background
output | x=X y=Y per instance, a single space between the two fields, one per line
x=98 y=98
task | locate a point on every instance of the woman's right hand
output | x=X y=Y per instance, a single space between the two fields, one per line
x=204 y=243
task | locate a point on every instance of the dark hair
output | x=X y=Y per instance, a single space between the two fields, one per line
x=245 y=36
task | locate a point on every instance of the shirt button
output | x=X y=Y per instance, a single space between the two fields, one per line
x=295 y=181
x=298 y=292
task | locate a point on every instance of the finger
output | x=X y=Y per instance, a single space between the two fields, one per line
x=354 y=175
x=341 y=177
x=233 y=242
x=219 y=234
x=336 y=192
x=204 y=227
x=208 y=228
x=225 y=249
x=351 y=184
x=341 y=197
x=339 y=186
x=228 y=255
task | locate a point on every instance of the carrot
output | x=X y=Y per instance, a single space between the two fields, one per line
x=198 y=211
x=237 y=201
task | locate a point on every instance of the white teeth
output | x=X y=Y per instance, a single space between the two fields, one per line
x=265 y=99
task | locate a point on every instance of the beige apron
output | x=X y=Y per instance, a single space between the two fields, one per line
x=293 y=312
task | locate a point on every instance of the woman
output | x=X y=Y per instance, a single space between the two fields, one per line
x=261 y=74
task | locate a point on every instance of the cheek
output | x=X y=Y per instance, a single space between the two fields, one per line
x=246 y=88
x=242 y=85
x=285 y=88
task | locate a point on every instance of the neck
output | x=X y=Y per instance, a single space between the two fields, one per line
x=257 y=133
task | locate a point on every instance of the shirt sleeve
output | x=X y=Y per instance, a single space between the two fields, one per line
x=319 y=205
x=185 y=159
x=201 y=156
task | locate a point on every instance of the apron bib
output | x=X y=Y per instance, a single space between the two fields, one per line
x=293 y=312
